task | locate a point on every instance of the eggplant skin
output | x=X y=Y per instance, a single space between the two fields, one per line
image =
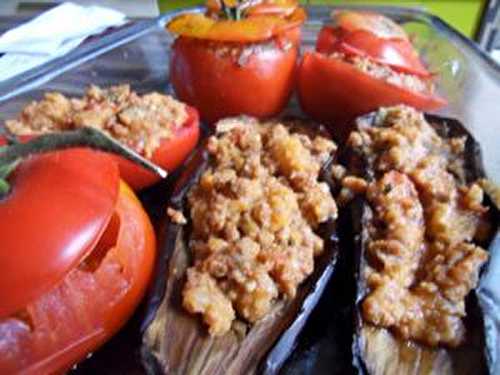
x=375 y=350
x=176 y=342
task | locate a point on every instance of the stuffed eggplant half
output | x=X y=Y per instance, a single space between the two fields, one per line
x=248 y=247
x=422 y=230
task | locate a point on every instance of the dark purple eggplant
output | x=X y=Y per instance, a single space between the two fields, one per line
x=176 y=342
x=376 y=350
x=488 y=295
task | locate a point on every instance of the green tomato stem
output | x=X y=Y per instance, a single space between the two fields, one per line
x=4 y=187
x=10 y=137
x=84 y=137
x=5 y=171
x=232 y=13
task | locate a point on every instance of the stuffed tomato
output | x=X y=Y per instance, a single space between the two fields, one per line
x=76 y=257
x=363 y=62
x=237 y=58
x=154 y=125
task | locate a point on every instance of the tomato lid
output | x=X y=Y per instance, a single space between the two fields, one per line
x=255 y=7
x=55 y=214
x=374 y=36
x=375 y=23
x=259 y=22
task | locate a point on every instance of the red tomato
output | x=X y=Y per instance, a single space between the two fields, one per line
x=333 y=91
x=228 y=79
x=396 y=52
x=96 y=297
x=169 y=155
x=54 y=196
x=282 y=8
x=245 y=63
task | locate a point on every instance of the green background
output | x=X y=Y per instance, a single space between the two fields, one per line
x=463 y=15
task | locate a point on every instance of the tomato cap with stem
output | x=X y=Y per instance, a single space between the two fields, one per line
x=66 y=196
x=236 y=22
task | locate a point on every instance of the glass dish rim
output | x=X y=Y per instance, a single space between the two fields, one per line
x=135 y=29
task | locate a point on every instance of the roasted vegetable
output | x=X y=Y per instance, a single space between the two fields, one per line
x=239 y=58
x=77 y=249
x=437 y=333
x=176 y=341
x=371 y=58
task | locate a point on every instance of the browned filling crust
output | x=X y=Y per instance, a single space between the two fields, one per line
x=139 y=121
x=387 y=74
x=254 y=214
x=422 y=261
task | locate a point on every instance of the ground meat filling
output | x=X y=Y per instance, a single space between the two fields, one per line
x=139 y=121
x=387 y=74
x=422 y=262
x=242 y=56
x=254 y=214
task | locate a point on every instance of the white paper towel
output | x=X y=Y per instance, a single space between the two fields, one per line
x=52 y=34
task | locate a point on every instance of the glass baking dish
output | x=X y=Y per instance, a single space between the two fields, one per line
x=138 y=54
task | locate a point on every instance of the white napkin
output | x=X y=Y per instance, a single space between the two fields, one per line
x=52 y=34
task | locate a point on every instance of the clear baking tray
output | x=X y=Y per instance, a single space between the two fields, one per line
x=138 y=54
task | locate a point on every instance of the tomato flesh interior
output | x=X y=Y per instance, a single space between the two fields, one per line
x=58 y=207
x=92 y=302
